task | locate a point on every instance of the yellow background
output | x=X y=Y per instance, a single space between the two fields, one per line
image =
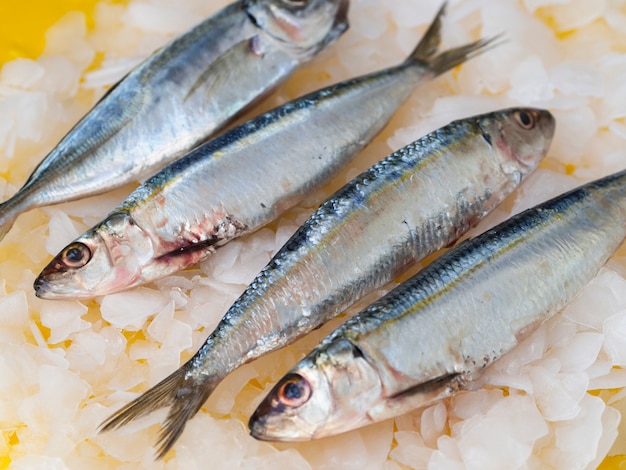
x=24 y=22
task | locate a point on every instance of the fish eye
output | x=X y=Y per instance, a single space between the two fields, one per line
x=76 y=255
x=525 y=119
x=294 y=391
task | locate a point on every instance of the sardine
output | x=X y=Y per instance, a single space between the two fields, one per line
x=413 y=202
x=434 y=334
x=241 y=180
x=179 y=96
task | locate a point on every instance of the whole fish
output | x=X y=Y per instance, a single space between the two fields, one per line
x=239 y=181
x=413 y=202
x=435 y=333
x=179 y=96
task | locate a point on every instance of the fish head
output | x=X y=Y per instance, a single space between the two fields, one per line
x=304 y=26
x=327 y=393
x=521 y=136
x=107 y=258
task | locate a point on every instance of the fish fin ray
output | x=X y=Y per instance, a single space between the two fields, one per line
x=220 y=70
x=418 y=396
x=429 y=44
x=182 y=410
x=161 y=395
x=192 y=253
x=430 y=386
x=453 y=57
x=181 y=395
x=426 y=49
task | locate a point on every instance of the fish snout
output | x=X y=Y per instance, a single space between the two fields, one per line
x=49 y=276
x=41 y=287
x=44 y=289
x=255 y=424
x=54 y=285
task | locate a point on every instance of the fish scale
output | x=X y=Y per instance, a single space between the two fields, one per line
x=434 y=334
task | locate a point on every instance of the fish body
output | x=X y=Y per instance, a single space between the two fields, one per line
x=178 y=97
x=413 y=202
x=239 y=181
x=436 y=332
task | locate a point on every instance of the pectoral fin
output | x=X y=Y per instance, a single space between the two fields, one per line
x=429 y=387
x=418 y=396
x=224 y=69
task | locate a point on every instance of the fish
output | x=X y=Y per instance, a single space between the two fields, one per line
x=178 y=97
x=241 y=180
x=435 y=334
x=413 y=202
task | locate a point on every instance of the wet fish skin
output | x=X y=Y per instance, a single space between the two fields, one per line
x=255 y=172
x=178 y=97
x=318 y=273
x=434 y=334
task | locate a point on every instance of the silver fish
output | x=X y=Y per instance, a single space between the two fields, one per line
x=434 y=334
x=239 y=181
x=413 y=202
x=179 y=96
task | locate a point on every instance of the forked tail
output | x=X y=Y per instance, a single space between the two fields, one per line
x=453 y=57
x=429 y=44
x=180 y=393
x=426 y=50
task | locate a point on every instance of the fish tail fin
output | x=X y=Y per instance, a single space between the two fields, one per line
x=429 y=44
x=184 y=396
x=453 y=57
x=426 y=50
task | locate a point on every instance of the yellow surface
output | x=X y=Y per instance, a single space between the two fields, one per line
x=24 y=22
x=616 y=462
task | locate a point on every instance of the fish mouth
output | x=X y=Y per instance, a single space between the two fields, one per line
x=261 y=433
x=257 y=421
x=44 y=289
x=257 y=432
x=261 y=424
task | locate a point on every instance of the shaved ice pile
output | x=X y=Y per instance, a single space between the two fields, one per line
x=556 y=401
